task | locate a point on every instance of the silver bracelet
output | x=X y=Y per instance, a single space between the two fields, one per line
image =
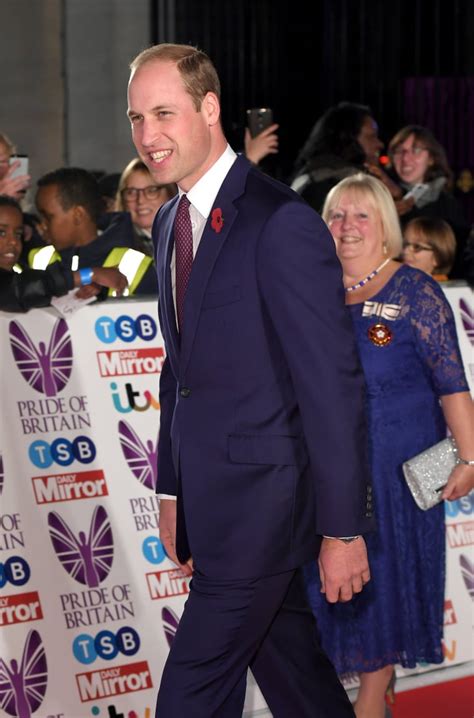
x=464 y=461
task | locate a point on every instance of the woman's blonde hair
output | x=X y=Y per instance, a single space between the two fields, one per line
x=374 y=192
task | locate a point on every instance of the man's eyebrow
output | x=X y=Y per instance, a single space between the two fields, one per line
x=154 y=110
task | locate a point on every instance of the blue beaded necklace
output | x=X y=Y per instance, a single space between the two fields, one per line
x=370 y=276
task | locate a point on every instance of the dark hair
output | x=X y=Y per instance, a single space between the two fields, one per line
x=439 y=166
x=335 y=133
x=7 y=201
x=76 y=187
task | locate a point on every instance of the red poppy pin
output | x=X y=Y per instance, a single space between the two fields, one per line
x=217 y=220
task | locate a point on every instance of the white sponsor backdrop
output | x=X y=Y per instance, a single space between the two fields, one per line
x=84 y=581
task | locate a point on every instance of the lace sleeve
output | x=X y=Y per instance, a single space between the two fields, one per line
x=435 y=337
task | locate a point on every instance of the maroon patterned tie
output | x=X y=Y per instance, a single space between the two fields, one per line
x=183 y=238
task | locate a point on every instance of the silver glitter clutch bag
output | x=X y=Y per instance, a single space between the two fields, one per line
x=427 y=473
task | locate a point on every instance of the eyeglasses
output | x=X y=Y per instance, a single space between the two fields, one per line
x=415 y=247
x=131 y=194
x=415 y=150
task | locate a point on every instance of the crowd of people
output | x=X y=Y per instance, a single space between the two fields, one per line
x=343 y=141
x=397 y=233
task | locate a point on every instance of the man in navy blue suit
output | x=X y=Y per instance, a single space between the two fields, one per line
x=262 y=449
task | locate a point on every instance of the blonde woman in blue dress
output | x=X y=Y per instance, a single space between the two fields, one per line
x=416 y=387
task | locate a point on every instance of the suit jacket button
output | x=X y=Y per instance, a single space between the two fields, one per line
x=184 y=392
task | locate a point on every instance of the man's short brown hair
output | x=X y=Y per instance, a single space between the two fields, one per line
x=196 y=69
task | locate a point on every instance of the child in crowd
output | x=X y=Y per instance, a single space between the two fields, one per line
x=23 y=290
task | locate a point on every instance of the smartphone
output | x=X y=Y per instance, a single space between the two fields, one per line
x=258 y=119
x=417 y=191
x=22 y=169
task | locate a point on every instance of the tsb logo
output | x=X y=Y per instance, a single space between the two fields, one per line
x=15 y=570
x=125 y=328
x=62 y=452
x=465 y=506
x=106 y=645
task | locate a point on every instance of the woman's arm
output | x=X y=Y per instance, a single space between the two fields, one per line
x=458 y=412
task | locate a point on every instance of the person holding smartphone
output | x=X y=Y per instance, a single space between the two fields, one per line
x=260 y=137
x=11 y=183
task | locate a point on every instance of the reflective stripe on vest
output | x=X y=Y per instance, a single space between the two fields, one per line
x=130 y=262
x=41 y=257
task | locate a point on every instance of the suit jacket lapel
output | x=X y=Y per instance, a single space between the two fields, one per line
x=210 y=246
x=165 y=244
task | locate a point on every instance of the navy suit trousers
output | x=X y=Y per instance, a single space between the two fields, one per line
x=265 y=624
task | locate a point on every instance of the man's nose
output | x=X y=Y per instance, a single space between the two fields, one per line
x=150 y=133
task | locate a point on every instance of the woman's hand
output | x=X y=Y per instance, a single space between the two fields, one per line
x=14 y=186
x=266 y=143
x=460 y=483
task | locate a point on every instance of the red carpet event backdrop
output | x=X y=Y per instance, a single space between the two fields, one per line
x=89 y=602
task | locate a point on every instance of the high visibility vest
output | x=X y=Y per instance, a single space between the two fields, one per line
x=129 y=261
x=41 y=257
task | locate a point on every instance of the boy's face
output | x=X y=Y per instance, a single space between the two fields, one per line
x=11 y=233
x=59 y=226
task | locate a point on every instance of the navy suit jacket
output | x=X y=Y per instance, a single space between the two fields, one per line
x=263 y=429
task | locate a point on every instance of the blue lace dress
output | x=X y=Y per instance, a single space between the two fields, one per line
x=409 y=361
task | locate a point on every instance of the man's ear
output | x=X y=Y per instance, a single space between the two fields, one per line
x=211 y=108
x=79 y=214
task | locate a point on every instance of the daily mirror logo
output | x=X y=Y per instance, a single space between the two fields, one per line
x=20 y=608
x=116 y=681
x=163 y=584
x=23 y=685
x=69 y=487
x=130 y=362
x=45 y=369
x=87 y=558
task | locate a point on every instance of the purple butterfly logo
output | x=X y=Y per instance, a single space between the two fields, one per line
x=22 y=688
x=467 y=318
x=87 y=559
x=46 y=370
x=141 y=458
x=2 y=474
x=170 y=624
x=467 y=571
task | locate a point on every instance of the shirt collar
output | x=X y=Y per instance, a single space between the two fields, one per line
x=203 y=194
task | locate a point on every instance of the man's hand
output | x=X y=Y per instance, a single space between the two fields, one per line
x=343 y=568
x=167 y=527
